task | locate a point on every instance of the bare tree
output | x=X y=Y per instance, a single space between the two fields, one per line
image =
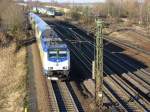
x=12 y=15
x=75 y=13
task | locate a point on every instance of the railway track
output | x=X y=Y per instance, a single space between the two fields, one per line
x=138 y=30
x=128 y=91
x=129 y=67
x=138 y=72
x=117 y=42
x=125 y=44
x=52 y=98
x=61 y=99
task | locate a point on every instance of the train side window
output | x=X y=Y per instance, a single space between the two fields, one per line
x=42 y=37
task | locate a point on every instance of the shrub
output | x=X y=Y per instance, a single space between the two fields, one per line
x=12 y=16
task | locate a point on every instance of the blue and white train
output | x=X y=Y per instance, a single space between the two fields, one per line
x=55 y=55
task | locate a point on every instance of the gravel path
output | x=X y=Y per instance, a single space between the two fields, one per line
x=39 y=82
x=31 y=84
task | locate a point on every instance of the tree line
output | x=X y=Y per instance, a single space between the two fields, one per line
x=12 y=16
x=137 y=11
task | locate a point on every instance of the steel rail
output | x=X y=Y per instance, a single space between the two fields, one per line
x=123 y=96
x=141 y=88
x=143 y=101
x=77 y=54
x=139 y=99
x=114 y=55
x=127 y=63
x=113 y=99
x=53 y=102
x=138 y=75
x=67 y=97
x=64 y=98
x=88 y=59
x=120 y=43
x=116 y=42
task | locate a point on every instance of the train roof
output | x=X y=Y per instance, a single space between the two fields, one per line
x=53 y=39
x=47 y=31
x=63 y=46
x=41 y=24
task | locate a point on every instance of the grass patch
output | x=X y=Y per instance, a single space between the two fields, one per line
x=13 y=71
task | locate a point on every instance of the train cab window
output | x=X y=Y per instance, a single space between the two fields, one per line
x=52 y=54
x=62 y=55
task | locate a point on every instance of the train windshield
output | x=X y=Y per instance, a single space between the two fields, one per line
x=57 y=54
x=62 y=54
x=52 y=55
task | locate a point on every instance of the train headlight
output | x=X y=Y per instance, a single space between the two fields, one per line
x=65 y=67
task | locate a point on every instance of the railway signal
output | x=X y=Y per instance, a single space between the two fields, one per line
x=99 y=65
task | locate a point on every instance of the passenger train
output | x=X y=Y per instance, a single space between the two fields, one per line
x=55 y=55
x=44 y=11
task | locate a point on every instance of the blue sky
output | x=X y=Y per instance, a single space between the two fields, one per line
x=76 y=1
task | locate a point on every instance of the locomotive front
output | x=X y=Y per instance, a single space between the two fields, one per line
x=57 y=58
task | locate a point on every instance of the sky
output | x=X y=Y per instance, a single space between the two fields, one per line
x=70 y=1
x=80 y=1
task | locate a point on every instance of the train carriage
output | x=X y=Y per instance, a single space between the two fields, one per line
x=55 y=55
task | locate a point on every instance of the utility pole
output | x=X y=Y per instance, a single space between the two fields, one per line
x=141 y=11
x=148 y=20
x=73 y=3
x=120 y=8
x=99 y=65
